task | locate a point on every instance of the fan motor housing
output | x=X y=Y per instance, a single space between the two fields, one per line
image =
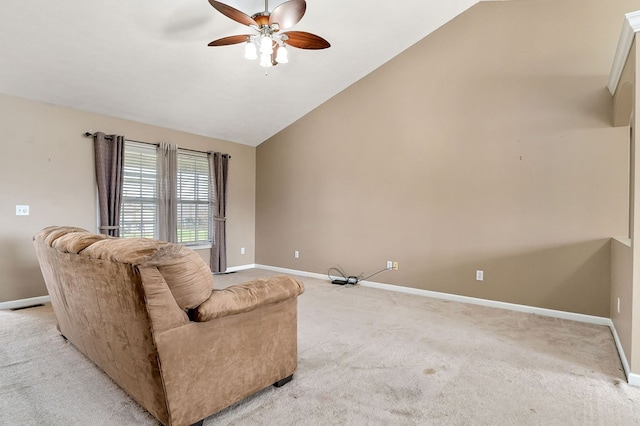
x=262 y=18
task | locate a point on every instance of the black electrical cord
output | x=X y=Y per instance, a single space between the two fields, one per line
x=333 y=280
x=349 y=280
x=375 y=273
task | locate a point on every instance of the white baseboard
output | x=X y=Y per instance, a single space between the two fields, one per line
x=293 y=272
x=456 y=298
x=241 y=268
x=632 y=379
x=491 y=303
x=623 y=356
x=23 y=303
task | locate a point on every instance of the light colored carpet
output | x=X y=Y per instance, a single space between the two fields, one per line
x=366 y=357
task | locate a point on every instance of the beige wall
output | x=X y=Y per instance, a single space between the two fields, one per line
x=488 y=145
x=48 y=164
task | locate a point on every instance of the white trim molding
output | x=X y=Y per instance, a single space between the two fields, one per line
x=24 y=303
x=491 y=303
x=241 y=268
x=457 y=298
x=630 y=27
x=293 y=272
x=633 y=379
x=623 y=357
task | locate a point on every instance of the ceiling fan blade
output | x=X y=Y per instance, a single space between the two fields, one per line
x=288 y=13
x=225 y=41
x=232 y=13
x=305 y=40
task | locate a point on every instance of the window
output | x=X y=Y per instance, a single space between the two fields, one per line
x=193 y=198
x=139 y=211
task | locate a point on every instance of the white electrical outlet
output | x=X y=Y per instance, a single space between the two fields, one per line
x=389 y=264
x=479 y=275
x=618 y=305
x=241 y=250
x=296 y=254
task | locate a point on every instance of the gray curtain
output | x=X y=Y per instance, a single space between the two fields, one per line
x=167 y=192
x=218 y=171
x=109 y=165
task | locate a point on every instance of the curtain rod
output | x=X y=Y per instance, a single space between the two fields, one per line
x=89 y=134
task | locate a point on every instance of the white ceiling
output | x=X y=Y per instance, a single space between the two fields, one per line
x=149 y=61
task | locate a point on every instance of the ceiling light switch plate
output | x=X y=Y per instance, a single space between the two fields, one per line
x=22 y=210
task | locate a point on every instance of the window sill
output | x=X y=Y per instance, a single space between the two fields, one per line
x=199 y=246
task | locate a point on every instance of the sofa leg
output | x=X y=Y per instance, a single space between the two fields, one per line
x=200 y=423
x=283 y=382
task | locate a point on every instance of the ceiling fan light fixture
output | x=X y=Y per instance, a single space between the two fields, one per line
x=265 y=60
x=250 y=51
x=282 y=57
x=266 y=45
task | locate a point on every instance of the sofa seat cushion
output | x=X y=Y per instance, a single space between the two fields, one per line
x=247 y=297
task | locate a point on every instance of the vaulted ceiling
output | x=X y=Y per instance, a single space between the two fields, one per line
x=149 y=61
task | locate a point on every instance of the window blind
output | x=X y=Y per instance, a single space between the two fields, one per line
x=139 y=214
x=194 y=206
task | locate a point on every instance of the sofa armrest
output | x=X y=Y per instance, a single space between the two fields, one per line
x=246 y=297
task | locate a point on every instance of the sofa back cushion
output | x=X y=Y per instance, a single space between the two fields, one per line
x=52 y=233
x=76 y=241
x=186 y=274
x=184 y=271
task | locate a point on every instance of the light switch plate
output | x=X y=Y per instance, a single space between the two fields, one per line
x=22 y=210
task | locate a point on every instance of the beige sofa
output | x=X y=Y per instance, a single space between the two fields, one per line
x=147 y=314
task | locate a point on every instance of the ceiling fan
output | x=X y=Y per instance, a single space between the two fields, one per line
x=267 y=39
